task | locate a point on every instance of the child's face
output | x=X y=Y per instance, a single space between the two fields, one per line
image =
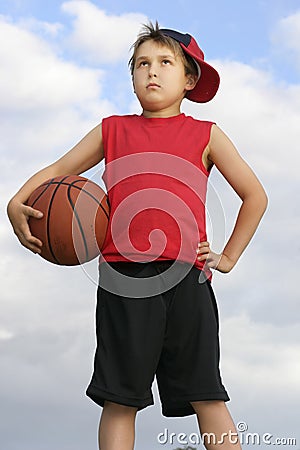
x=159 y=78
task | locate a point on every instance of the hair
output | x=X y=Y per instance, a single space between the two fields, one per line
x=152 y=32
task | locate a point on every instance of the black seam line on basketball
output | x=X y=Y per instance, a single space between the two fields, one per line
x=39 y=196
x=78 y=221
x=48 y=217
x=90 y=195
x=83 y=190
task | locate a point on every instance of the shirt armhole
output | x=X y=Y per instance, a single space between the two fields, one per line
x=206 y=142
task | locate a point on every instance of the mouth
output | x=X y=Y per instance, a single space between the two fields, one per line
x=153 y=85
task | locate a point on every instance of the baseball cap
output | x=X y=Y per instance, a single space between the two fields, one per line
x=208 y=78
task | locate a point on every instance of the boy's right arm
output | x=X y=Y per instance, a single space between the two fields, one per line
x=84 y=155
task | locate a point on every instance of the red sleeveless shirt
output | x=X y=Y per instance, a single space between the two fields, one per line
x=156 y=184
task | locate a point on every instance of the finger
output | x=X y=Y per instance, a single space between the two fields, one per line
x=35 y=242
x=34 y=248
x=31 y=245
x=203 y=244
x=31 y=212
x=28 y=240
x=203 y=250
x=211 y=259
x=203 y=257
x=32 y=240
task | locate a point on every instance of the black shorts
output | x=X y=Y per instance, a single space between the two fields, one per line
x=172 y=334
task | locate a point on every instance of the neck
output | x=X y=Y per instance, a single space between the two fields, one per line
x=163 y=113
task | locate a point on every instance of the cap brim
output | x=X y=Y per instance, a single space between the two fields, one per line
x=208 y=83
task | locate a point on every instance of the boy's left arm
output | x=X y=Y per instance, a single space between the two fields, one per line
x=223 y=154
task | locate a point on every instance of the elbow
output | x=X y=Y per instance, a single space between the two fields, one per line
x=261 y=201
x=258 y=199
x=266 y=202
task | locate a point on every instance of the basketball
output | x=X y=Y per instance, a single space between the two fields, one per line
x=75 y=216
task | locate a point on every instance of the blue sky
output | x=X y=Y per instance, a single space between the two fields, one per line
x=56 y=83
x=225 y=29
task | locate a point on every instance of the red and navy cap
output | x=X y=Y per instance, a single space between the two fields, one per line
x=209 y=79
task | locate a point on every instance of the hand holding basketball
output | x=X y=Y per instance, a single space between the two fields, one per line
x=19 y=215
x=64 y=221
x=75 y=217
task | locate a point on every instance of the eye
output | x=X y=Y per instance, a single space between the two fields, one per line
x=166 y=62
x=143 y=63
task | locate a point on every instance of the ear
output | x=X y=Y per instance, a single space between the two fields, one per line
x=132 y=79
x=191 y=82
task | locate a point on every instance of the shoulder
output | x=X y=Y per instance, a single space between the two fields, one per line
x=121 y=118
x=225 y=156
x=200 y=127
x=200 y=122
x=113 y=122
x=219 y=140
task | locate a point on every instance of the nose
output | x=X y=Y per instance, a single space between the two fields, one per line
x=152 y=71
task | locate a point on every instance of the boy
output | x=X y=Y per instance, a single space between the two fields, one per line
x=155 y=313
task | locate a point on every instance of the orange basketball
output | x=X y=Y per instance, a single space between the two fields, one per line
x=75 y=216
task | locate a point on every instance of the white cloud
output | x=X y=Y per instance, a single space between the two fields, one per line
x=262 y=118
x=260 y=350
x=46 y=327
x=5 y=334
x=33 y=77
x=49 y=29
x=286 y=39
x=99 y=37
x=260 y=115
x=261 y=370
x=47 y=103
